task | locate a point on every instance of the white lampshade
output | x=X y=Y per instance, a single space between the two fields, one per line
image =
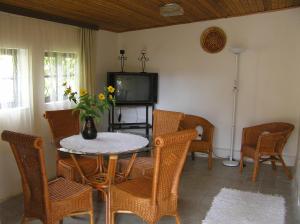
x=237 y=50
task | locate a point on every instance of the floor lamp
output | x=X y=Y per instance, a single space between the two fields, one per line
x=236 y=51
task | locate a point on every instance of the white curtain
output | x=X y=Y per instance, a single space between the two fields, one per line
x=87 y=59
x=15 y=79
x=15 y=90
x=32 y=38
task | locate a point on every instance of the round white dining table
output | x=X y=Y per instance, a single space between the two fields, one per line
x=106 y=143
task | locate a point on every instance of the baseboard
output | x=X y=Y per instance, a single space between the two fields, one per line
x=297 y=187
x=9 y=197
x=225 y=153
x=297 y=190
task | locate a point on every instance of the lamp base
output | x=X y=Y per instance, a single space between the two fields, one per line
x=230 y=163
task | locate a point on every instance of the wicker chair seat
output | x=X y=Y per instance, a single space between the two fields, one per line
x=88 y=164
x=68 y=170
x=199 y=146
x=135 y=196
x=62 y=189
x=67 y=197
x=139 y=187
x=137 y=205
x=143 y=166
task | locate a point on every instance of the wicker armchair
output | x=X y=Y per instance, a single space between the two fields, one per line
x=163 y=122
x=48 y=202
x=204 y=144
x=265 y=142
x=152 y=198
x=65 y=123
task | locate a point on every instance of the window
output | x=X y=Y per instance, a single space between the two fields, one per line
x=14 y=81
x=59 y=68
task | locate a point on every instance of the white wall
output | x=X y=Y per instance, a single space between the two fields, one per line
x=195 y=82
x=297 y=169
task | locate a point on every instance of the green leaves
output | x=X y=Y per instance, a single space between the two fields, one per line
x=90 y=105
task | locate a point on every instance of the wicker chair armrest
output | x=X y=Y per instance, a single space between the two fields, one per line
x=210 y=134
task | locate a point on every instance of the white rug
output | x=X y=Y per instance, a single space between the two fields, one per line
x=240 y=207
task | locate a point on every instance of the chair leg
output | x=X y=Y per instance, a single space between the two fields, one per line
x=256 y=169
x=210 y=160
x=193 y=156
x=177 y=219
x=24 y=220
x=101 y=196
x=273 y=164
x=107 y=208
x=111 y=218
x=241 y=163
x=91 y=217
x=286 y=170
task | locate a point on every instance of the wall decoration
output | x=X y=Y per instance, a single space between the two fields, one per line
x=143 y=59
x=122 y=58
x=213 y=40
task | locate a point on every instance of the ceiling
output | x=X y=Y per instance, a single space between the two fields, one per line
x=127 y=15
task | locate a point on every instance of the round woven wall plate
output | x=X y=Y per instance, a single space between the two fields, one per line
x=213 y=40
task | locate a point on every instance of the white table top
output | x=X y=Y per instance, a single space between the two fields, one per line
x=105 y=143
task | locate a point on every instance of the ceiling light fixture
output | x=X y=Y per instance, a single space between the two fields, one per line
x=171 y=9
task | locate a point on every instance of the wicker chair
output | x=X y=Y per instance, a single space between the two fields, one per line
x=65 y=123
x=265 y=142
x=48 y=202
x=204 y=144
x=163 y=122
x=152 y=198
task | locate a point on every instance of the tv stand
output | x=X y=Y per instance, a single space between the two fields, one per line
x=113 y=126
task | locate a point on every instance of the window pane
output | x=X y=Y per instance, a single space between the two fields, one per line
x=6 y=65
x=59 y=68
x=7 y=91
x=8 y=78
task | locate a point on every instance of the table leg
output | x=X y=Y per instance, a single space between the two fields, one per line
x=111 y=172
x=100 y=164
x=129 y=166
x=83 y=177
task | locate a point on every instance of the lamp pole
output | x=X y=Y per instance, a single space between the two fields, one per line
x=236 y=51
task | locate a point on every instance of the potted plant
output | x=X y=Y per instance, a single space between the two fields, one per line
x=91 y=107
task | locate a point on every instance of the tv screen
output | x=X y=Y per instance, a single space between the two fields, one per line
x=134 y=88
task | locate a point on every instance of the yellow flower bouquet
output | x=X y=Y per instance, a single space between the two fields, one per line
x=91 y=106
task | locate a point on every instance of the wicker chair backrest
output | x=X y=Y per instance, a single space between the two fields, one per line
x=63 y=123
x=30 y=160
x=165 y=122
x=251 y=134
x=274 y=127
x=171 y=151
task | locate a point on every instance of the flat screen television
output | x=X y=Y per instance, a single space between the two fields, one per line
x=134 y=87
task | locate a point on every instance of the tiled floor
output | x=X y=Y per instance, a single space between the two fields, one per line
x=197 y=189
